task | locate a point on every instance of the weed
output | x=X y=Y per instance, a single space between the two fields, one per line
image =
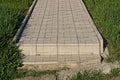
x=115 y=72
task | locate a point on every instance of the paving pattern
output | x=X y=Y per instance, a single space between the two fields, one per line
x=58 y=28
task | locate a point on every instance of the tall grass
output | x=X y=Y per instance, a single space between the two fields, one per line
x=106 y=15
x=11 y=14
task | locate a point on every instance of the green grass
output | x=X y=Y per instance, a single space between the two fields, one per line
x=106 y=15
x=90 y=75
x=12 y=13
x=96 y=75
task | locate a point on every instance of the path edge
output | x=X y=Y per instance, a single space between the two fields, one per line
x=24 y=22
x=94 y=28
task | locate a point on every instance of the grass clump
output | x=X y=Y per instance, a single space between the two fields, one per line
x=115 y=72
x=11 y=14
x=96 y=75
x=90 y=75
x=106 y=15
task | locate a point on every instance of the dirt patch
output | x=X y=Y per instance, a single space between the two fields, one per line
x=116 y=78
x=64 y=74
x=44 y=77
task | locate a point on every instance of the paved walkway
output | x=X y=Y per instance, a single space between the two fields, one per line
x=61 y=28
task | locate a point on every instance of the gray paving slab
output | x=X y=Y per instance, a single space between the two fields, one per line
x=60 y=27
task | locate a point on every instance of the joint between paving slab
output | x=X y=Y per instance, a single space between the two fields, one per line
x=57 y=27
x=75 y=30
x=41 y=26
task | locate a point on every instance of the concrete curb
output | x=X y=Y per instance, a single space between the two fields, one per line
x=24 y=22
x=64 y=63
x=94 y=28
x=56 y=65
